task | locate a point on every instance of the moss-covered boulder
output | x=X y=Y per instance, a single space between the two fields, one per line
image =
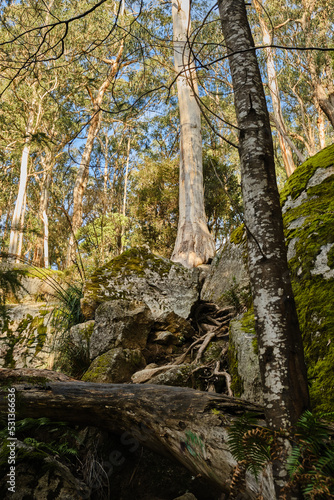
x=308 y=214
x=137 y=274
x=243 y=359
x=115 y=366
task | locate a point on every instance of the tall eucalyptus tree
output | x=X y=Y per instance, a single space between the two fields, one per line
x=194 y=244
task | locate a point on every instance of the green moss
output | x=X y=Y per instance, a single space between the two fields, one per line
x=298 y=181
x=238 y=236
x=213 y=351
x=135 y=261
x=314 y=294
x=330 y=258
x=248 y=325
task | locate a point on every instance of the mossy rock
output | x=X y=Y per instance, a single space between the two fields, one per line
x=138 y=274
x=115 y=366
x=308 y=214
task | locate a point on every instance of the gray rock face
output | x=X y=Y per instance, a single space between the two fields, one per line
x=140 y=275
x=115 y=366
x=176 y=376
x=248 y=368
x=27 y=341
x=122 y=323
x=228 y=270
x=81 y=334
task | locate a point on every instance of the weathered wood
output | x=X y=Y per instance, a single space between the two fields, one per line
x=190 y=425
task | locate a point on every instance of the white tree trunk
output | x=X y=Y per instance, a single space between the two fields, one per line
x=194 y=244
x=125 y=191
x=16 y=220
x=20 y=245
x=286 y=150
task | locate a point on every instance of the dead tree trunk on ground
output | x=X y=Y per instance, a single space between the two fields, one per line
x=190 y=425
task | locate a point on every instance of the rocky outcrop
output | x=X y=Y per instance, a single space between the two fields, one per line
x=25 y=338
x=140 y=275
x=308 y=215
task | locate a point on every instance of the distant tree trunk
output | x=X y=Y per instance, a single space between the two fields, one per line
x=189 y=425
x=194 y=244
x=321 y=125
x=19 y=204
x=20 y=245
x=41 y=251
x=83 y=171
x=286 y=150
x=281 y=358
x=324 y=94
x=125 y=191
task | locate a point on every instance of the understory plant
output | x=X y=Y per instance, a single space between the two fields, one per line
x=311 y=461
x=71 y=357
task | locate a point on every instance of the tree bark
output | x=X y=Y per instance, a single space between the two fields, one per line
x=184 y=423
x=281 y=358
x=194 y=244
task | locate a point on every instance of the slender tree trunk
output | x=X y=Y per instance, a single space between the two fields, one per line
x=81 y=182
x=281 y=358
x=20 y=245
x=189 y=425
x=321 y=127
x=83 y=172
x=16 y=220
x=275 y=94
x=125 y=191
x=41 y=251
x=194 y=244
x=323 y=94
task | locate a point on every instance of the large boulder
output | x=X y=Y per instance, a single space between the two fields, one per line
x=137 y=274
x=125 y=323
x=308 y=216
x=227 y=282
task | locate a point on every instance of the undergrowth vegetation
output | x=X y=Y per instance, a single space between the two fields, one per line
x=311 y=461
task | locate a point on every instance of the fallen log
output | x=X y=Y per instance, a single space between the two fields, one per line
x=190 y=425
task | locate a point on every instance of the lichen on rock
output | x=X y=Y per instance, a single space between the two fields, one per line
x=137 y=274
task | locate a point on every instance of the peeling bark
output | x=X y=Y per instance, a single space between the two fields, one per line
x=194 y=244
x=281 y=358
